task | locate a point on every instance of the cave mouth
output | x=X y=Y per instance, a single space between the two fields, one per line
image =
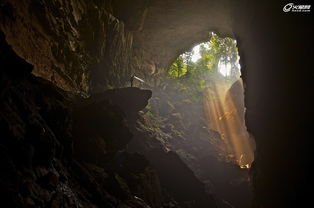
x=199 y=110
x=211 y=72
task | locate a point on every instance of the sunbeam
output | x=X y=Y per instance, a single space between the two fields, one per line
x=225 y=117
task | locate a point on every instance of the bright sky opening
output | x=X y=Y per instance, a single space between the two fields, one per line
x=196 y=53
x=223 y=68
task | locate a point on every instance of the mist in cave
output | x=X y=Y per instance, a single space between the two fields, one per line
x=199 y=106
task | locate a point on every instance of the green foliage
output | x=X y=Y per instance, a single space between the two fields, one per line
x=222 y=50
x=178 y=68
x=192 y=78
x=109 y=87
x=148 y=107
x=216 y=50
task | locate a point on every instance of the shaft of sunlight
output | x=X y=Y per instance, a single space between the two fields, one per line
x=224 y=117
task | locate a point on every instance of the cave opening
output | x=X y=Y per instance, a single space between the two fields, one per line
x=211 y=72
x=199 y=107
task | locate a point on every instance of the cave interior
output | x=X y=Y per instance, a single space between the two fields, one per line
x=74 y=133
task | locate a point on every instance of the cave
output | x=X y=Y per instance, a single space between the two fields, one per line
x=74 y=133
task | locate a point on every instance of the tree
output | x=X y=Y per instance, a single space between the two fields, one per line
x=194 y=77
x=214 y=52
x=219 y=51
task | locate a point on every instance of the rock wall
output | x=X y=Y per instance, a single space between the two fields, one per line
x=78 y=45
x=90 y=46
x=48 y=160
x=276 y=74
